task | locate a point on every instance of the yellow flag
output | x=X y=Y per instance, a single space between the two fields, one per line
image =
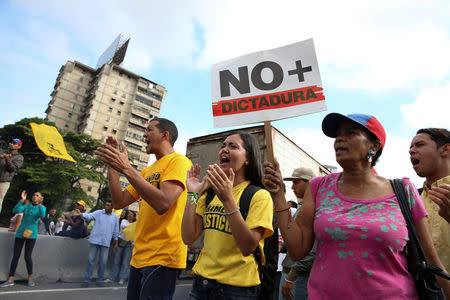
x=50 y=141
x=129 y=231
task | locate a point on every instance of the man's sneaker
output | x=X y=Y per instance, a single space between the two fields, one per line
x=6 y=284
x=100 y=284
x=120 y=282
x=108 y=281
x=31 y=282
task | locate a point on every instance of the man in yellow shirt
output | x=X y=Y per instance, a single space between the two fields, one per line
x=430 y=157
x=159 y=252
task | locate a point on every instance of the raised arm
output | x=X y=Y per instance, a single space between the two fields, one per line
x=192 y=224
x=297 y=234
x=160 y=199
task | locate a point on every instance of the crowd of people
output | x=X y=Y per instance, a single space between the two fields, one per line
x=347 y=239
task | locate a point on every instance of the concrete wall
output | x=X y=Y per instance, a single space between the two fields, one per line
x=54 y=258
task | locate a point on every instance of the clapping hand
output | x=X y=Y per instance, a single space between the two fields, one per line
x=221 y=183
x=193 y=184
x=441 y=196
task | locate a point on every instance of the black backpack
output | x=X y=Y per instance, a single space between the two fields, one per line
x=267 y=272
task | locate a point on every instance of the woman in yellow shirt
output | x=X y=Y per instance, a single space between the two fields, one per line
x=226 y=267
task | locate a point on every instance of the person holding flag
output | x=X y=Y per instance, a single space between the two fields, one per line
x=10 y=162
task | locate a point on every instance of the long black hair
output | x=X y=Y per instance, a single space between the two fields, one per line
x=254 y=169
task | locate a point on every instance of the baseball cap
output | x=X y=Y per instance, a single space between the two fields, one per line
x=301 y=173
x=331 y=123
x=81 y=202
x=17 y=141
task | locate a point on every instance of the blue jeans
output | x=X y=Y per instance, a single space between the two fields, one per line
x=154 y=282
x=299 y=290
x=121 y=262
x=102 y=260
x=207 y=289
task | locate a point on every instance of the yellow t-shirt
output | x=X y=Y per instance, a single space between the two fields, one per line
x=439 y=227
x=157 y=238
x=221 y=259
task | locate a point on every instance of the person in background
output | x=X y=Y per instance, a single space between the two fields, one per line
x=77 y=226
x=355 y=218
x=123 y=251
x=294 y=278
x=430 y=157
x=26 y=234
x=10 y=163
x=105 y=231
x=15 y=221
x=59 y=225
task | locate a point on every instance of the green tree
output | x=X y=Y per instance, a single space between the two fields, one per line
x=55 y=178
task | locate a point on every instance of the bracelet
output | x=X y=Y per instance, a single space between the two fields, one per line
x=231 y=212
x=290 y=281
x=282 y=209
x=193 y=197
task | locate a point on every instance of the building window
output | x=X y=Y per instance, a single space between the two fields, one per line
x=114 y=131
x=81 y=79
x=126 y=86
x=105 y=128
x=108 y=118
x=115 y=92
x=69 y=115
x=110 y=109
x=78 y=87
x=113 y=100
x=124 y=95
x=122 y=103
x=120 y=74
x=89 y=188
x=119 y=112
x=83 y=71
x=118 y=82
x=72 y=106
x=116 y=122
x=66 y=125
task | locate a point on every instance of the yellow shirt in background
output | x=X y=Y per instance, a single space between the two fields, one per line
x=439 y=227
x=157 y=238
x=221 y=259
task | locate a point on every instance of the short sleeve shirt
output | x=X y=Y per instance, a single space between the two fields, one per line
x=361 y=243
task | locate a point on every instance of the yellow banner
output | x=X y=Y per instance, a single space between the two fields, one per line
x=50 y=141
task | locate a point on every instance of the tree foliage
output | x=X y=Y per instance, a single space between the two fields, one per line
x=55 y=178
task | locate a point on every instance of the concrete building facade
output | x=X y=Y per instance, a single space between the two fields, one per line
x=106 y=101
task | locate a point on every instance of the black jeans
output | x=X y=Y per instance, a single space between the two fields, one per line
x=152 y=283
x=18 y=245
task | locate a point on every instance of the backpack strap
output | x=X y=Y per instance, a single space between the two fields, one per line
x=246 y=198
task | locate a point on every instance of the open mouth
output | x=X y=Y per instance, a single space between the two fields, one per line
x=415 y=161
x=224 y=160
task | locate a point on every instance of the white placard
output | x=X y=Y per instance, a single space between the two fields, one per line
x=267 y=85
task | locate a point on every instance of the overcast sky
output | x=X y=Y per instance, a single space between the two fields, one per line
x=386 y=58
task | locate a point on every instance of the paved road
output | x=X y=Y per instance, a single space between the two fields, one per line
x=73 y=291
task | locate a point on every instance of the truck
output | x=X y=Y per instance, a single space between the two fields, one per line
x=203 y=150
